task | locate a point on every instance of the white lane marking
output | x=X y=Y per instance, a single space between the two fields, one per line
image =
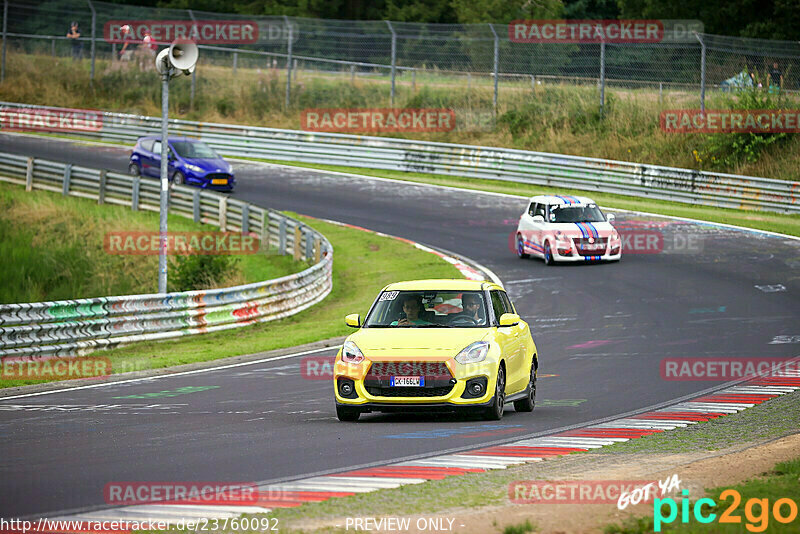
x=592 y=443
x=719 y=407
x=508 y=460
x=375 y=481
x=183 y=373
x=303 y=486
x=784 y=339
x=771 y=288
x=438 y=462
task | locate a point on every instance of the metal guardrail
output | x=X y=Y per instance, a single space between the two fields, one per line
x=552 y=170
x=71 y=327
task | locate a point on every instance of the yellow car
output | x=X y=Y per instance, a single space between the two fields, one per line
x=437 y=345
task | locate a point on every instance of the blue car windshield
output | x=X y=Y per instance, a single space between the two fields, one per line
x=194 y=150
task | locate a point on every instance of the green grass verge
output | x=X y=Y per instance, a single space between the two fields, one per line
x=773 y=222
x=363 y=264
x=51 y=248
x=770 y=420
x=779 y=483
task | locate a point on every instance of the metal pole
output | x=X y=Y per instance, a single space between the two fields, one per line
x=288 y=63
x=660 y=92
x=235 y=58
x=602 y=76
x=414 y=80
x=496 y=67
x=194 y=72
x=394 y=58
x=5 y=27
x=702 y=73
x=162 y=228
x=94 y=23
x=352 y=74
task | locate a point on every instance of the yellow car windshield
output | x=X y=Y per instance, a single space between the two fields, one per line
x=429 y=309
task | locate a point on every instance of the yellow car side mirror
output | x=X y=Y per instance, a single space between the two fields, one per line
x=353 y=320
x=509 y=319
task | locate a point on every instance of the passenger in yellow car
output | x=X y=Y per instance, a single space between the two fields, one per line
x=412 y=306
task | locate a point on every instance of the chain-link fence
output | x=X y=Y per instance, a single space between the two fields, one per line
x=416 y=53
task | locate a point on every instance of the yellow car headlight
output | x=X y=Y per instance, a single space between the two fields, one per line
x=474 y=353
x=351 y=353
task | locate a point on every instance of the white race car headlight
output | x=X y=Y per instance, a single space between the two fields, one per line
x=194 y=168
x=474 y=353
x=351 y=353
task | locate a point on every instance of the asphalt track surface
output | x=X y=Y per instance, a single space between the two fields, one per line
x=602 y=330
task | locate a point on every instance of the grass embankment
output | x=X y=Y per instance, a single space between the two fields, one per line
x=761 y=220
x=363 y=263
x=761 y=423
x=553 y=118
x=51 y=248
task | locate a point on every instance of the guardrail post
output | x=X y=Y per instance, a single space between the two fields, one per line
x=235 y=61
x=29 y=175
x=288 y=62
x=196 y=206
x=223 y=213
x=5 y=28
x=394 y=57
x=94 y=23
x=352 y=74
x=298 y=236
x=496 y=67
x=245 y=218
x=67 y=177
x=533 y=83
x=282 y=237
x=265 y=231
x=309 y=244
x=53 y=47
x=317 y=250
x=101 y=193
x=414 y=80
x=137 y=182
x=602 y=76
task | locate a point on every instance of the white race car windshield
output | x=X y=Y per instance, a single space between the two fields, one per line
x=428 y=309
x=573 y=214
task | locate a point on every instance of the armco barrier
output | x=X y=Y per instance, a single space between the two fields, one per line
x=552 y=170
x=69 y=327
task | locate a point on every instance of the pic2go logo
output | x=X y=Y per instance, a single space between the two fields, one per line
x=757 y=521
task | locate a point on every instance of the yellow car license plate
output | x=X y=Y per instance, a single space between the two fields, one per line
x=407 y=381
x=219 y=181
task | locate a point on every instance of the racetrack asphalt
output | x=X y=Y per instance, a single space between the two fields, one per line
x=601 y=330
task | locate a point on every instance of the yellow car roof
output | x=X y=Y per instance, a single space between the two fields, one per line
x=443 y=284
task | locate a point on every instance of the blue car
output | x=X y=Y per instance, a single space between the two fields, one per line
x=191 y=162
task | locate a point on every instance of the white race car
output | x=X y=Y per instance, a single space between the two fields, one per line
x=567 y=228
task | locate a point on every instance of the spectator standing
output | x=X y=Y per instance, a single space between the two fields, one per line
x=126 y=52
x=775 y=79
x=74 y=35
x=147 y=51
